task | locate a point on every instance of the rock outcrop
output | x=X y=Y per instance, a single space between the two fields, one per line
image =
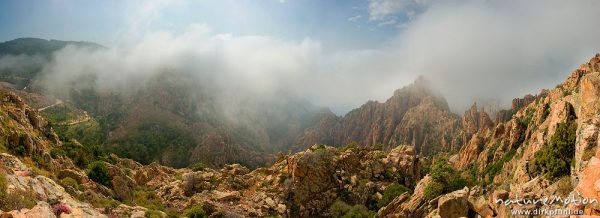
x=414 y=206
x=20 y=179
x=454 y=204
x=505 y=156
x=414 y=115
x=304 y=184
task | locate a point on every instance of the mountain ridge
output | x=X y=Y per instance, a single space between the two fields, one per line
x=33 y=46
x=389 y=123
x=548 y=146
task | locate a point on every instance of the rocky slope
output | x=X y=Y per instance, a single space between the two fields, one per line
x=38 y=176
x=414 y=115
x=547 y=149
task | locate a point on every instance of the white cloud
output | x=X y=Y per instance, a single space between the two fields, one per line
x=382 y=9
x=494 y=49
x=258 y=65
x=354 y=18
x=142 y=15
x=471 y=50
x=387 y=22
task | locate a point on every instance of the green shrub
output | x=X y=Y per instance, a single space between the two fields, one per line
x=555 y=160
x=3 y=185
x=352 y=145
x=80 y=154
x=153 y=214
x=146 y=197
x=68 y=181
x=522 y=125
x=425 y=165
x=589 y=152
x=480 y=147
x=98 y=172
x=198 y=166
x=491 y=152
x=19 y=150
x=195 y=212
x=546 y=111
x=359 y=211
x=377 y=147
x=473 y=174
x=444 y=175
x=441 y=170
x=106 y=203
x=15 y=200
x=318 y=148
x=456 y=183
x=493 y=169
x=433 y=190
x=391 y=192
x=339 y=208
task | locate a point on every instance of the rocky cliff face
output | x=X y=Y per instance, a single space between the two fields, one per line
x=414 y=115
x=31 y=182
x=519 y=157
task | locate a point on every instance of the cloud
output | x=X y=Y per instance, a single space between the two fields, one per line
x=387 y=22
x=21 y=63
x=142 y=14
x=382 y=9
x=354 y=18
x=494 y=49
x=233 y=66
x=471 y=50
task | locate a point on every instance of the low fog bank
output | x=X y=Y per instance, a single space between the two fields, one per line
x=485 y=51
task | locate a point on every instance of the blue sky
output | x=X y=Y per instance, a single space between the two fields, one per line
x=339 y=24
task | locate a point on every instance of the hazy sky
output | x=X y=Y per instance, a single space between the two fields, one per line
x=346 y=23
x=335 y=53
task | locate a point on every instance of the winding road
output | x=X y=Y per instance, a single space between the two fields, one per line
x=86 y=117
x=57 y=102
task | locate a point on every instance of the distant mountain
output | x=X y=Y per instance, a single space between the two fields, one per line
x=414 y=115
x=22 y=59
x=179 y=121
x=36 y=46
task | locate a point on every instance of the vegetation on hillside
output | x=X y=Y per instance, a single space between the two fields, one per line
x=14 y=200
x=82 y=155
x=445 y=179
x=392 y=191
x=555 y=160
x=98 y=172
x=151 y=141
x=195 y=212
x=341 y=209
x=492 y=169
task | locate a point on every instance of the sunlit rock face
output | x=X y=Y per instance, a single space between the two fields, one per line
x=414 y=115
